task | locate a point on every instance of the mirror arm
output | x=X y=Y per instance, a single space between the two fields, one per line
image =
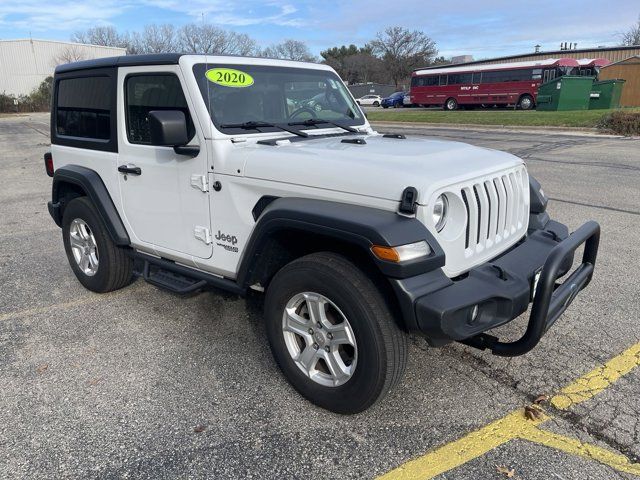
x=188 y=151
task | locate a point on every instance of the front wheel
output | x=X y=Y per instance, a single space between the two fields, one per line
x=526 y=102
x=376 y=104
x=332 y=333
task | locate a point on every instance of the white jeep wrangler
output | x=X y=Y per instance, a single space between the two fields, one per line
x=197 y=171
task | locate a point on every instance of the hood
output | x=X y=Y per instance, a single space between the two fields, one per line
x=381 y=167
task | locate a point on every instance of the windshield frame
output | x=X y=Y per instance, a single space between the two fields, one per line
x=199 y=68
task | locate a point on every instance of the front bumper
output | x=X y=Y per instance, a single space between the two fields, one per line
x=502 y=289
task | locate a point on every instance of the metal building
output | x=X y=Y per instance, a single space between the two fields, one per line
x=613 y=54
x=24 y=64
x=629 y=71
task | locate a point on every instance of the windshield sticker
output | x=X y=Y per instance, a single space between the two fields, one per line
x=228 y=77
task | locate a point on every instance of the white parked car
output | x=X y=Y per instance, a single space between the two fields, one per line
x=195 y=171
x=370 y=100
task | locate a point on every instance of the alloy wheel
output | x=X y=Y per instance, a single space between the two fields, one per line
x=319 y=339
x=83 y=246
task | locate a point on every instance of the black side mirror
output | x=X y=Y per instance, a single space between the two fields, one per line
x=168 y=128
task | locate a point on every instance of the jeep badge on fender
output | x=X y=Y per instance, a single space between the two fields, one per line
x=454 y=242
x=226 y=238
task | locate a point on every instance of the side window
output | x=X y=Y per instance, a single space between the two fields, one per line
x=443 y=79
x=145 y=93
x=83 y=108
x=477 y=77
x=459 y=78
x=431 y=81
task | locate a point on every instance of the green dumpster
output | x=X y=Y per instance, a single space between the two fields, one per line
x=565 y=93
x=606 y=94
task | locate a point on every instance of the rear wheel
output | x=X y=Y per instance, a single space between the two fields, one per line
x=376 y=103
x=525 y=102
x=98 y=264
x=451 y=104
x=332 y=333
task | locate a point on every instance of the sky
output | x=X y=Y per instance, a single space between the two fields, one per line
x=482 y=28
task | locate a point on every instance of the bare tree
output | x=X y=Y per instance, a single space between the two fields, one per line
x=202 y=38
x=241 y=44
x=403 y=50
x=104 y=36
x=632 y=36
x=198 y=38
x=156 y=39
x=72 y=53
x=191 y=38
x=290 y=50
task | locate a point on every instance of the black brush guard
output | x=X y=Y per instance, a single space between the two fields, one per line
x=551 y=299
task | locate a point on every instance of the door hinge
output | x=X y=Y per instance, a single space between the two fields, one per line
x=203 y=234
x=200 y=182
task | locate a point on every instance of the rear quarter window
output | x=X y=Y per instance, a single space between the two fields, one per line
x=83 y=108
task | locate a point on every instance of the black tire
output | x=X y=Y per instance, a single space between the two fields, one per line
x=376 y=104
x=385 y=106
x=382 y=346
x=451 y=104
x=115 y=267
x=525 y=102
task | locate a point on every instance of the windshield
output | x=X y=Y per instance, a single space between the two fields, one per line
x=237 y=94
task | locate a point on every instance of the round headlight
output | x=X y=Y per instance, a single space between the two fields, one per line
x=439 y=213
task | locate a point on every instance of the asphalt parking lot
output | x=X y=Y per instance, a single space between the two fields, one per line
x=143 y=384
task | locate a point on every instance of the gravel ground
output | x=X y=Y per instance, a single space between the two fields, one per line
x=142 y=384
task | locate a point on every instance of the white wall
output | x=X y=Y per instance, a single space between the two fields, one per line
x=24 y=64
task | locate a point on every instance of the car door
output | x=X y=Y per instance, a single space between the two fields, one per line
x=164 y=194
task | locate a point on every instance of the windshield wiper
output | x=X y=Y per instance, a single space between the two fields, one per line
x=316 y=121
x=253 y=125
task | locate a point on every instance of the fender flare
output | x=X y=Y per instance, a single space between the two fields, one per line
x=91 y=184
x=359 y=225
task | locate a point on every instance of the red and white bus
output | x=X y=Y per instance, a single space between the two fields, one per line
x=499 y=84
x=590 y=67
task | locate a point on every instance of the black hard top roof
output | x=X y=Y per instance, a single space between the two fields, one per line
x=121 y=61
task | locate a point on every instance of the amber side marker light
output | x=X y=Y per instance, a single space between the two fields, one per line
x=402 y=253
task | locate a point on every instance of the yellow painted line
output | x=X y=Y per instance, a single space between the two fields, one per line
x=462 y=451
x=598 y=379
x=578 y=448
x=516 y=426
x=94 y=298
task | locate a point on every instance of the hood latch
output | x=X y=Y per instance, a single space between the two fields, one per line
x=409 y=201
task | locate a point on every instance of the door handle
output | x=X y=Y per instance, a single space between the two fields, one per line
x=130 y=169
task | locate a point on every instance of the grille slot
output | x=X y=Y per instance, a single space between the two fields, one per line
x=495 y=210
x=466 y=205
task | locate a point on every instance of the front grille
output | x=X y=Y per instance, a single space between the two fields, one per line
x=496 y=210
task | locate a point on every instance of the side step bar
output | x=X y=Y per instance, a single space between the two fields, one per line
x=180 y=279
